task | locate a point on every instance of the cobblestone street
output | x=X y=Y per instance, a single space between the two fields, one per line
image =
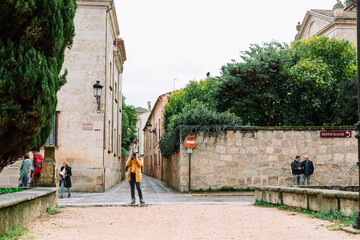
x=155 y=192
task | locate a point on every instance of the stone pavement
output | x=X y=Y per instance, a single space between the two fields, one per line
x=154 y=192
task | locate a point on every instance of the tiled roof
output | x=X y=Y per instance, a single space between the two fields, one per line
x=330 y=13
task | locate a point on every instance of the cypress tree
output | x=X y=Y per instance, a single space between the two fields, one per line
x=33 y=37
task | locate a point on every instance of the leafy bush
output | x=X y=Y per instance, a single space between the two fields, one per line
x=195 y=118
x=52 y=211
x=200 y=91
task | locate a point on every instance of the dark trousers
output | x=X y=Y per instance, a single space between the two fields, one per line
x=132 y=186
x=35 y=180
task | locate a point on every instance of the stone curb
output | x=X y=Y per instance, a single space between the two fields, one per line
x=351 y=230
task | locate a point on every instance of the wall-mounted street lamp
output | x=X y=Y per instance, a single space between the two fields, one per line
x=97 y=93
x=149 y=125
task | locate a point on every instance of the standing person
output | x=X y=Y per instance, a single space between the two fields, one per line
x=134 y=175
x=65 y=180
x=38 y=164
x=308 y=167
x=24 y=172
x=297 y=171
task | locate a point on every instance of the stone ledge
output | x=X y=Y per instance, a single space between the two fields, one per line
x=311 y=191
x=10 y=199
x=17 y=209
x=309 y=198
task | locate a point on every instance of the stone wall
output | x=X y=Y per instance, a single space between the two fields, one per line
x=17 y=209
x=309 y=198
x=262 y=156
x=49 y=173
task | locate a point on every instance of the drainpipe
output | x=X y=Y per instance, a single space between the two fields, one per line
x=113 y=102
x=119 y=104
x=106 y=50
x=118 y=118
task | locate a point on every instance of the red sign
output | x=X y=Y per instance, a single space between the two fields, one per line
x=335 y=134
x=190 y=142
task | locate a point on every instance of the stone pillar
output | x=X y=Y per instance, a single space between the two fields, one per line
x=48 y=174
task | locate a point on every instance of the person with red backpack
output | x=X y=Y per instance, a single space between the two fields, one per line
x=36 y=168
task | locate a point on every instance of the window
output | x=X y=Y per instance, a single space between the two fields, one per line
x=109 y=139
x=159 y=130
x=53 y=137
x=116 y=100
x=110 y=82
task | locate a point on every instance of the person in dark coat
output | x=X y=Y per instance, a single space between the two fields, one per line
x=308 y=167
x=64 y=179
x=297 y=171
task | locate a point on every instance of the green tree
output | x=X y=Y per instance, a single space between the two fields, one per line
x=128 y=126
x=320 y=74
x=200 y=91
x=254 y=89
x=33 y=37
x=308 y=84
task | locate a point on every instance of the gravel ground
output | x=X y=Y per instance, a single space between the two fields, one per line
x=185 y=221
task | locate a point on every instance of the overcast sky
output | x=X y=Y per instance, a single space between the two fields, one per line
x=185 y=39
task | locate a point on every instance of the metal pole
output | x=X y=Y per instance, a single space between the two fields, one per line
x=358 y=123
x=174 y=83
x=190 y=170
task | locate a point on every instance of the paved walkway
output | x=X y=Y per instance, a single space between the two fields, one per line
x=172 y=215
x=181 y=222
x=154 y=192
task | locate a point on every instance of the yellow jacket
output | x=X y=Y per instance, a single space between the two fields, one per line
x=139 y=164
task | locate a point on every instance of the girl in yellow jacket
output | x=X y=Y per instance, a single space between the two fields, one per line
x=134 y=175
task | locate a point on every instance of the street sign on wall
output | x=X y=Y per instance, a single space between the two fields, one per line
x=335 y=134
x=190 y=142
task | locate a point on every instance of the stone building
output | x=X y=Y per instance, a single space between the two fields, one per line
x=152 y=156
x=340 y=22
x=88 y=139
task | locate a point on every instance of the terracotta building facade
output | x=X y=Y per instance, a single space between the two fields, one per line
x=153 y=162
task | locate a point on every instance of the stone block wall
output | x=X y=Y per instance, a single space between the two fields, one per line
x=262 y=156
x=49 y=172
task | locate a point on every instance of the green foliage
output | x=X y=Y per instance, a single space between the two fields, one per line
x=196 y=117
x=52 y=211
x=128 y=126
x=310 y=83
x=200 y=91
x=254 y=89
x=14 y=233
x=33 y=37
x=10 y=190
x=333 y=215
x=324 y=69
